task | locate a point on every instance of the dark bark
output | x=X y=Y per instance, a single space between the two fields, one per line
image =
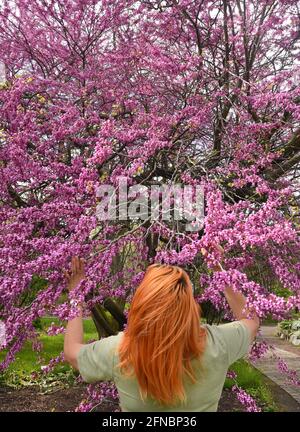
x=115 y=311
x=104 y=328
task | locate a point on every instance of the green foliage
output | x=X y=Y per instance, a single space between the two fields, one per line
x=27 y=360
x=281 y=291
x=264 y=397
x=26 y=369
x=210 y=313
x=61 y=377
x=252 y=381
x=37 y=284
x=290 y=329
x=285 y=325
x=37 y=324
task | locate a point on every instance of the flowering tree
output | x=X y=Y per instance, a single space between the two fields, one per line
x=198 y=92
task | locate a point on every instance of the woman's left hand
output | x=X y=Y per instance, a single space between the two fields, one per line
x=77 y=273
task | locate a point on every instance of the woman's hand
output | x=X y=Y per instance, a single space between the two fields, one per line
x=204 y=252
x=77 y=273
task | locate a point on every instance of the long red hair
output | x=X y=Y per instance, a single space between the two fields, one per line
x=163 y=334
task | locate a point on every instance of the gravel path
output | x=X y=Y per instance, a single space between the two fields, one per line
x=268 y=364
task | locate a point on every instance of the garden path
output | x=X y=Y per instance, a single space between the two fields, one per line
x=268 y=366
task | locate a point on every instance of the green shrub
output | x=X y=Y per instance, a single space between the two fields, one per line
x=252 y=381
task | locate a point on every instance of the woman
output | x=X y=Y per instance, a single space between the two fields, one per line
x=164 y=360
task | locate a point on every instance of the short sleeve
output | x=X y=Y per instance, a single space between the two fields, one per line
x=236 y=336
x=95 y=360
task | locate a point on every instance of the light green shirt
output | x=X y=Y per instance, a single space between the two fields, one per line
x=225 y=344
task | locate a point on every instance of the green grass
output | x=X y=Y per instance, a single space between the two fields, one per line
x=252 y=381
x=247 y=375
x=27 y=360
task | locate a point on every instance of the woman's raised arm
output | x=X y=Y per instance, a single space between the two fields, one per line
x=237 y=302
x=74 y=331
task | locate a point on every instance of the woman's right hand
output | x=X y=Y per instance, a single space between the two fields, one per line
x=204 y=252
